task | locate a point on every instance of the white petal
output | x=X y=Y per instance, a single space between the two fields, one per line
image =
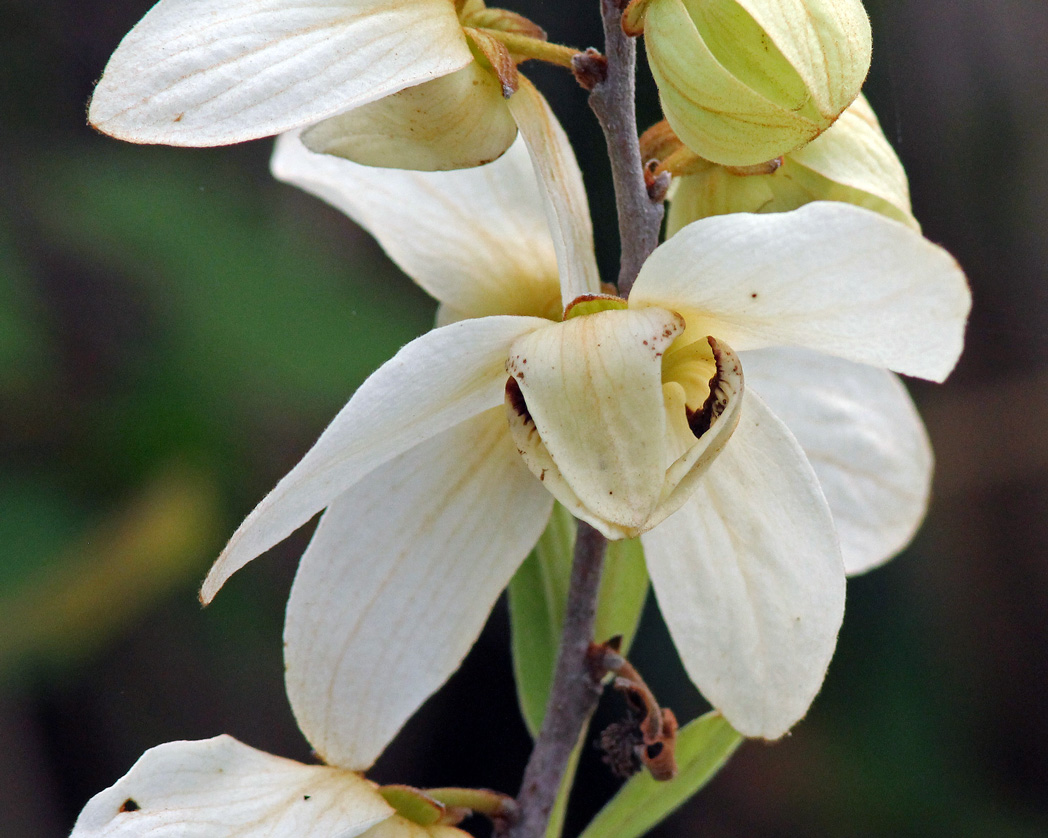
x=221 y=788
x=452 y=122
x=433 y=383
x=854 y=153
x=593 y=389
x=399 y=580
x=863 y=437
x=828 y=276
x=475 y=239
x=749 y=578
x=212 y=72
x=565 y=196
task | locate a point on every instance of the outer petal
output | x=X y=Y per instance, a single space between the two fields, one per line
x=828 y=276
x=593 y=388
x=452 y=122
x=220 y=788
x=857 y=158
x=433 y=383
x=212 y=72
x=475 y=239
x=749 y=578
x=826 y=41
x=399 y=580
x=863 y=437
x=563 y=192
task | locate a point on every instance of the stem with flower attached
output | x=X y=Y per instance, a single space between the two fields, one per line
x=576 y=686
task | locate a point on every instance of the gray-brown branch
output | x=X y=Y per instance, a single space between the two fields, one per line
x=613 y=100
x=573 y=695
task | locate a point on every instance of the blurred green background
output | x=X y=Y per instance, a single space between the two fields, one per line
x=176 y=328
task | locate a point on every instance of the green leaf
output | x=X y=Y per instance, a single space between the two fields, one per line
x=703 y=746
x=538 y=595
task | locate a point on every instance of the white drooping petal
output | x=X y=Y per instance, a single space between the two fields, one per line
x=749 y=578
x=563 y=192
x=452 y=122
x=213 y=72
x=399 y=580
x=863 y=437
x=436 y=381
x=592 y=387
x=221 y=788
x=476 y=239
x=828 y=276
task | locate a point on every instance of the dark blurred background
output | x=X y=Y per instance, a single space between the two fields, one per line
x=176 y=328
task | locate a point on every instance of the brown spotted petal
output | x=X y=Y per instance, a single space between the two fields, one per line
x=590 y=414
x=711 y=428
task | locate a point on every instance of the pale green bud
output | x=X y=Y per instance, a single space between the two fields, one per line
x=851 y=162
x=745 y=81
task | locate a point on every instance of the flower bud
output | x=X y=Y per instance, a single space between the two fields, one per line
x=852 y=162
x=746 y=81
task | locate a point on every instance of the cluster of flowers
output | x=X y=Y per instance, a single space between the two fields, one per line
x=735 y=411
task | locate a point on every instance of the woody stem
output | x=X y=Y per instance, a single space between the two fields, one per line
x=613 y=100
x=573 y=695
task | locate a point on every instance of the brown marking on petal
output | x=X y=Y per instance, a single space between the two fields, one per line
x=702 y=420
x=179 y=117
x=129 y=805
x=516 y=401
x=754 y=295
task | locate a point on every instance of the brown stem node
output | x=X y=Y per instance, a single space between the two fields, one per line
x=590 y=68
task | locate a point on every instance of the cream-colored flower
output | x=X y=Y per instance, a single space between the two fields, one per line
x=430 y=508
x=745 y=81
x=410 y=84
x=851 y=162
x=221 y=788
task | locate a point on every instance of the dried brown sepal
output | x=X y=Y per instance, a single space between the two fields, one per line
x=590 y=68
x=498 y=59
x=658 y=142
x=618 y=743
x=650 y=730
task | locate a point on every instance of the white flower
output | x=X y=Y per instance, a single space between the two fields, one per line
x=430 y=508
x=392 y=82
x=221 y=788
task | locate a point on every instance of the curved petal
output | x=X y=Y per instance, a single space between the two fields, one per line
x=592 y=387
x=562 y=190
x=221 y=788
x=749 y=578
x=399 y=580
x=828 y=276
x=452 y=122
x=212 y=72
x=475 y=239
x=863 y=437
x=827 y=42
x=433 y=383
x=857 y=160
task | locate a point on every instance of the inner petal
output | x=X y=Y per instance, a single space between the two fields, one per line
x=593 y=387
